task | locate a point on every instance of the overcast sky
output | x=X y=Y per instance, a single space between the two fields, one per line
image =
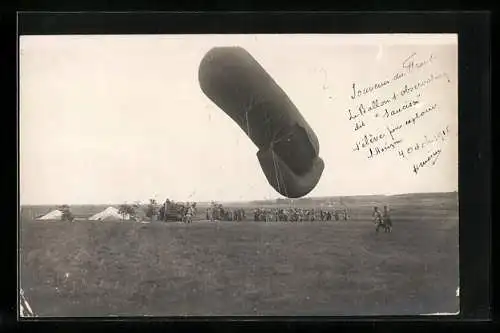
x=107 y=119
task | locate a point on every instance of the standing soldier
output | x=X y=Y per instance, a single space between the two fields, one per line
x=189 y=214
x=193 y=206
x=377 y=217
x=387 y=219
x=165 y=209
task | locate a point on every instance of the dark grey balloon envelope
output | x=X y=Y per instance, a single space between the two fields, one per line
x=288 y=147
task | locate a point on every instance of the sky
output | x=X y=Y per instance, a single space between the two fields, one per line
x=111 y=119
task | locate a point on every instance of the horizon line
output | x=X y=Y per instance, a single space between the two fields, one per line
x=240 y=201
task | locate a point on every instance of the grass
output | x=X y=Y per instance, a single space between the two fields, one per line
x=246 y=268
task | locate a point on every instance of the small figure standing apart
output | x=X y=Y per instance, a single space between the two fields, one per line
x=387 y=220
x=189 y=214
x=377 y=218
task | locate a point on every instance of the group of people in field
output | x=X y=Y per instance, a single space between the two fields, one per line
x=382 y=219
x=298 y=215
x=189 y=212
x=218 y=213
x=171 y=210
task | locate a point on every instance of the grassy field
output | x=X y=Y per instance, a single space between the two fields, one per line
x=247 y=268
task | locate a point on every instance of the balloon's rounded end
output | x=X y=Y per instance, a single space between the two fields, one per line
x=284 y=180
x=213 y=66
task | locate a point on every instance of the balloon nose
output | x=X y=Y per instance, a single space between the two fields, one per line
x=288 y=147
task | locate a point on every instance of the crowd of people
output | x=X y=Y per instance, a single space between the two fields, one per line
x=218 y=213
x=298 y=214
x=173 y=211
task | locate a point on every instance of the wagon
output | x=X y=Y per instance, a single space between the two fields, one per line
x=175 y=212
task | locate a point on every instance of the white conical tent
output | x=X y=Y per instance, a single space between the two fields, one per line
x=53 y=215
x=110 y=213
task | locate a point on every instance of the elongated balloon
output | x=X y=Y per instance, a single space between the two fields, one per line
x=288 y=147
